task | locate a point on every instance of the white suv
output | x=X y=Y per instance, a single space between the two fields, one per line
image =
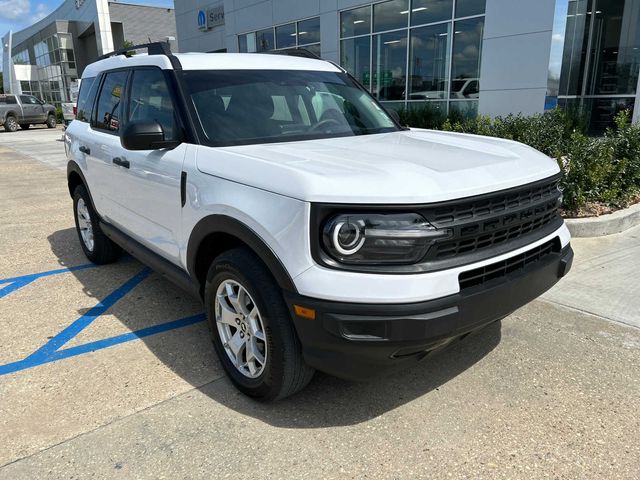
x=319 y=233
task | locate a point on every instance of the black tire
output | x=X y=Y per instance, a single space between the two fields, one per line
x=284 y=371
x=104 y=250
x=25 y=126
x=51 y=121
x=11 y=124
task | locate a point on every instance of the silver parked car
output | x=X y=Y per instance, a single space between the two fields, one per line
x=25 y=110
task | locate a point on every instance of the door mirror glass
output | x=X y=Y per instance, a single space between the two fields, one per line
x=145 y=135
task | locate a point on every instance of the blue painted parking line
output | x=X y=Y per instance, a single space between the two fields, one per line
x=16 y=283
x=52 y=350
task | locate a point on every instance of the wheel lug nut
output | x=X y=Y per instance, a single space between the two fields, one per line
x=238 y=321
x=241 y=335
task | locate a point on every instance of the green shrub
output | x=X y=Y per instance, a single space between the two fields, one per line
x=605 y=170
x=59 y=115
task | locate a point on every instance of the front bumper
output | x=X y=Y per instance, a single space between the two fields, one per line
x=359 y=341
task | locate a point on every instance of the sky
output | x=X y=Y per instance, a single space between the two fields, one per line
x=18 y=14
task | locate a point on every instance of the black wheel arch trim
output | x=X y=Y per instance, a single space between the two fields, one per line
x=224 y=224
x=73 y=167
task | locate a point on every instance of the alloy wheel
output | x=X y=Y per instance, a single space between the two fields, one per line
x=84 y=224
x=240 y=328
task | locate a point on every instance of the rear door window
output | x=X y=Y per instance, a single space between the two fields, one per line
x=108 y=114
x=86 y=99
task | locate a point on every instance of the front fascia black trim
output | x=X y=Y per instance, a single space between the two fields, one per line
x=223 y=224
x=361 y=340
x=152 y=259
x=320 y=212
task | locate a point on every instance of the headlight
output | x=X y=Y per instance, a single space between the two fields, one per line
x=374 y=239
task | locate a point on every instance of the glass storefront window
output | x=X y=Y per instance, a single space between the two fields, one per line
x=465 y=108
x=390 y=15
x=286 y=36
x=467 y=8
x=430 y=11
x=429 y=62
x=247 y=43
x=601 y=60
x=614 y=69
x=355 y=56
x=355 y=22
x=467 y=46
x=309 y=31
x=390 y=65
x=21 y=58
x=265 y=40
x=304 y=34
x=575 y=48
x=415 y=52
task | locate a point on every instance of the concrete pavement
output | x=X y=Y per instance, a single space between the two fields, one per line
x=39 y=143
x=604 y=279
x=552 y=392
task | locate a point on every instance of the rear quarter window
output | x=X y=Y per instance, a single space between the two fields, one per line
x=8 y=99
x=86 y=99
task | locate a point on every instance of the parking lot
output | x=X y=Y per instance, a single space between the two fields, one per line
x=108 y=372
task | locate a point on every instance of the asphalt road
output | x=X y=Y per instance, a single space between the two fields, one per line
x=551 y=392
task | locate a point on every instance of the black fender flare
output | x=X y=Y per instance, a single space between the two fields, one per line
x=224 y=224
x=74 y=168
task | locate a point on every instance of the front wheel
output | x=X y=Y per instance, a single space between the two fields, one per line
x=97 y=247
x=251 y=328
x=51 y=121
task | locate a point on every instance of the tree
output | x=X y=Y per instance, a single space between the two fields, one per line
x=128 y=44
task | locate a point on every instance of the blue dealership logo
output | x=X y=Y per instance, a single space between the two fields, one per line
x=202 y=20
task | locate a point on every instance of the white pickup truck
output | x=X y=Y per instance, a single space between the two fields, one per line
x=24 y=111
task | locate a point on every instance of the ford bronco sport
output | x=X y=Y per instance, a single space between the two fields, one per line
x=319 y=233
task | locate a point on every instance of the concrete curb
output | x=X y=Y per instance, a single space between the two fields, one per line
x=606 y=224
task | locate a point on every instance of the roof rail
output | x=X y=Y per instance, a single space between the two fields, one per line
x=153 y=48
x=304 y=53
x=295 y=52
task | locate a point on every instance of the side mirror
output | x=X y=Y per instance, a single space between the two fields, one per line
x=393 y=114
x=145 y=135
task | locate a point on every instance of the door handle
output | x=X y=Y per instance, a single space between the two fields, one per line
x=85 y=150
x=122 y=162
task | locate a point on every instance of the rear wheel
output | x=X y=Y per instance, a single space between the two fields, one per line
x=11 y=124
x=51 y=121
x=24 y=126
x=251 y=328
x=95 y=244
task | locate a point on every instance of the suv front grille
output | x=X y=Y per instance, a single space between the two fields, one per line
x=478 y=227
x=498 y=270
x=490 y=220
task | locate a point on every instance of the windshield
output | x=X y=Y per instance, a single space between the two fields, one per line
x=257 y=106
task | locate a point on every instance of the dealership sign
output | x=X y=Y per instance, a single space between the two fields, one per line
x=210 y=17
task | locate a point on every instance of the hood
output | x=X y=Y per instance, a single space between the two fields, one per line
x=412 y=166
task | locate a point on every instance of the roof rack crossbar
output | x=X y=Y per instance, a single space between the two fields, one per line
x=153 y=48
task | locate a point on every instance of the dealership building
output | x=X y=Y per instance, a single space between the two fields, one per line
x=491 y=57
x=46 y=58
